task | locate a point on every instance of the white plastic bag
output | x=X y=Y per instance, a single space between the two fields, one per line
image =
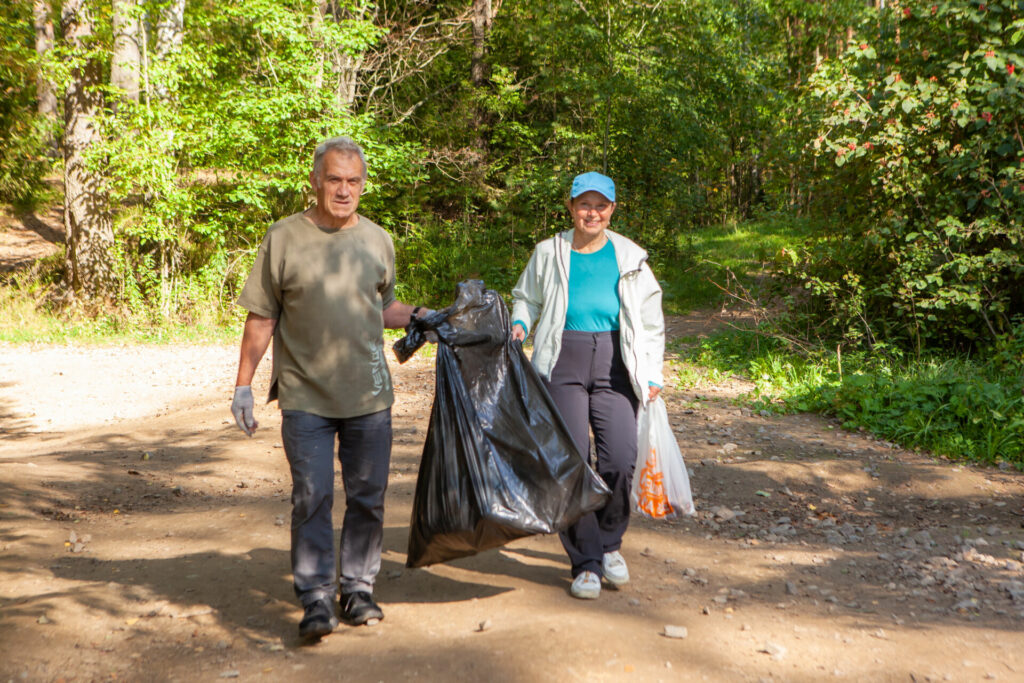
x=661 y=485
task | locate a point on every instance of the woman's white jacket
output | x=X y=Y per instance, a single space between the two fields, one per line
x=541 y=299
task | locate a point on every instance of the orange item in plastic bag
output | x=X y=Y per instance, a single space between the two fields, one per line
x=661 y=485
x=651 y=499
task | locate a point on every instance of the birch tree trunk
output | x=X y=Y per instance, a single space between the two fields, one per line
x=344 y=66
x=90 y=234
x=170 y=35
x=126 y=61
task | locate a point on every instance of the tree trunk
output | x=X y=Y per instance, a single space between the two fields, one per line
x=344 y=66
x=126 y=62
x=170 y=34
x=46 y=95
x=479 y=76
x=482 y=19
x=90 y=235
x=346 y=70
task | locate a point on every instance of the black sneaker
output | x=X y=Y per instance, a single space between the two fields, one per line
x=359 y=608
x=318 y=621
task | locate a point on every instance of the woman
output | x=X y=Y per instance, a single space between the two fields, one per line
x=599 y=341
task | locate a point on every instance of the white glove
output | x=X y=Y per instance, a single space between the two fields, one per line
x=241 y=408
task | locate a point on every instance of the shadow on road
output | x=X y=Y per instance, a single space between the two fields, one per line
x=187 y=551
x=54 y=235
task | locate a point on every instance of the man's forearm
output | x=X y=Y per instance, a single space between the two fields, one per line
x=397 y=315
x=255 y=339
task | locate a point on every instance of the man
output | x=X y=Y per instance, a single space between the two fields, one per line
x=322 y=288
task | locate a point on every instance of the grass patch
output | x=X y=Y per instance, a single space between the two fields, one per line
x=24 y=320
x=963 y=408
x=728 y=255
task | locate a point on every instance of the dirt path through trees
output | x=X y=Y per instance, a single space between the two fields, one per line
x=142 y=537
x=28 y=237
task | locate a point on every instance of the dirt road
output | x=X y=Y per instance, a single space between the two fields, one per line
x=142 y=537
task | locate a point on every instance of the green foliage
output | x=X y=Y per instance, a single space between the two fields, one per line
x=23 y=134
x=26 y=318
x=679 y=101
x=921 y=171
x=734 y=257
x=200 y=175
x=957 y=407
x=693 y=107
x=427 y=273
x=949 y=407
x=676 y=101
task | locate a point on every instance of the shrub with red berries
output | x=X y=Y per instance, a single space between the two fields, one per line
x=933 y=205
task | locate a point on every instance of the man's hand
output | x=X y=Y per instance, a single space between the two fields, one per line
x=518 y=332
x=241 y=408
x=422 y=312
x=652 y=392
x=398 y=315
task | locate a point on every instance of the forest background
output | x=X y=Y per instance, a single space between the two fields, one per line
x=851 y=173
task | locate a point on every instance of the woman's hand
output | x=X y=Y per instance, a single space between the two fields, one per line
x=652 y=392
x=518 y=332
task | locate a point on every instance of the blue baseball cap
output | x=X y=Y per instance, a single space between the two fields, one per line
x=585 y=182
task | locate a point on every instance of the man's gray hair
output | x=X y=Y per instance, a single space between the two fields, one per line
x=343 y=144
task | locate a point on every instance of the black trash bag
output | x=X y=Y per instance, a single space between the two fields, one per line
x=437 y=322
x=498 y=463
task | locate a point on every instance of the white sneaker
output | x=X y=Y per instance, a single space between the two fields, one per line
x=586 y=586
x=615 y=569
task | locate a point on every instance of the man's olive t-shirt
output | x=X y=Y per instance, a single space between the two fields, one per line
x=327 y=289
